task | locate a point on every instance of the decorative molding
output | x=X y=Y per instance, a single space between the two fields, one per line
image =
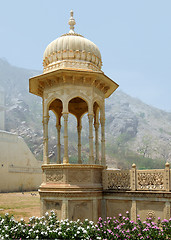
x=151 y=214
x=54 y=176
x=83 y=194
x=117 y=180
x=73 y=166
x=70 y=79
x=83 y=176
x=139 y=195
x=72 y=59
x=150 y=180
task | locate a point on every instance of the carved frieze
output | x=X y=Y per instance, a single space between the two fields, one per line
x=118 y=180
x=83 y=176
x=151 y=214
x=54 y=176
x=150 y=180
x=71 y=64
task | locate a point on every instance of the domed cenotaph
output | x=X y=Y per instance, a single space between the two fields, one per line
x=73 y=83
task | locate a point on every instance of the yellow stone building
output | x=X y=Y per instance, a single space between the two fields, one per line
x=73 y=83
x=19 y=169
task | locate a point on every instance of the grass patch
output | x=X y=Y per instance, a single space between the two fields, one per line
x=20 y=205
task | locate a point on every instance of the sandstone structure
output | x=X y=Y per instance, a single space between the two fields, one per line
x=73 y=83
x=19 y=169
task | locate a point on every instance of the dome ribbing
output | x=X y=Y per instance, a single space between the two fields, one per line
x=72 y=50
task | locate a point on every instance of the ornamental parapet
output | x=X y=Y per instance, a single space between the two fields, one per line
x=137 y=180
x=71 y=177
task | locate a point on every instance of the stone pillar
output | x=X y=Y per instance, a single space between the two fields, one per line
x=58 y=127
x=65 y=158
x=102 y=122
x=167 y=210
x=167 y=177
x=64 y=209
x=42 y=207
x=95 y=210
x=96 y=126
x=79 y=127
x=133 y=177
x=104 y=208
x=134 y=211
x=91 y=154
x=45 y=139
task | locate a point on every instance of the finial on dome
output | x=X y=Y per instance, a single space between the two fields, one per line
x=71 y=22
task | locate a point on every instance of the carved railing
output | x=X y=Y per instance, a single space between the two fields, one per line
x=138 y=180
x=150 y=180
x=116 y=179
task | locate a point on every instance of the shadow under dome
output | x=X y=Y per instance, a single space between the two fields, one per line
x=77 y=106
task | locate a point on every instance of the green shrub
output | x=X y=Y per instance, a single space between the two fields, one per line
x=48 y=227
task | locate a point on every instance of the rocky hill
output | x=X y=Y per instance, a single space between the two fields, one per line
x=135 y=132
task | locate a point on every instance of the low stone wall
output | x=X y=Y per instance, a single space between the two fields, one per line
x=73 y=191
x=141 y=192
x=19 y=169
x=141 y=180
x=90 y=191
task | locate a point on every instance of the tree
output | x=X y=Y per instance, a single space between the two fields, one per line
x=146 y=146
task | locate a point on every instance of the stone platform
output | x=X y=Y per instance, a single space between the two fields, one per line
x=77 y=191
x=72 y=191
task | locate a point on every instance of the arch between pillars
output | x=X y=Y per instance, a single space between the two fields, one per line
x=96 y=110
x=56 y=106
x=99 y=107
x=49 y=100
x=78 y=107
x=81 y=96
x=52 y=103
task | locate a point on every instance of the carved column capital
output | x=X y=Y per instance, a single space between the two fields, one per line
x=96 y=126
x=90 y=117
x=58 y=127
x=65 y=116
x=45 y=119
x=79 y=128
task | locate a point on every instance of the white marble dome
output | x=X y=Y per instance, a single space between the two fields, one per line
x=72 y=50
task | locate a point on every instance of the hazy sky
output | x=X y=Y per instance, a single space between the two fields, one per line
x=134 y=37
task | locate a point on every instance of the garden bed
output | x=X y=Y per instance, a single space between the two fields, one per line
x=48 y=227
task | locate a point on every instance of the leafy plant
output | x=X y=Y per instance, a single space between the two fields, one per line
x=48 y=227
